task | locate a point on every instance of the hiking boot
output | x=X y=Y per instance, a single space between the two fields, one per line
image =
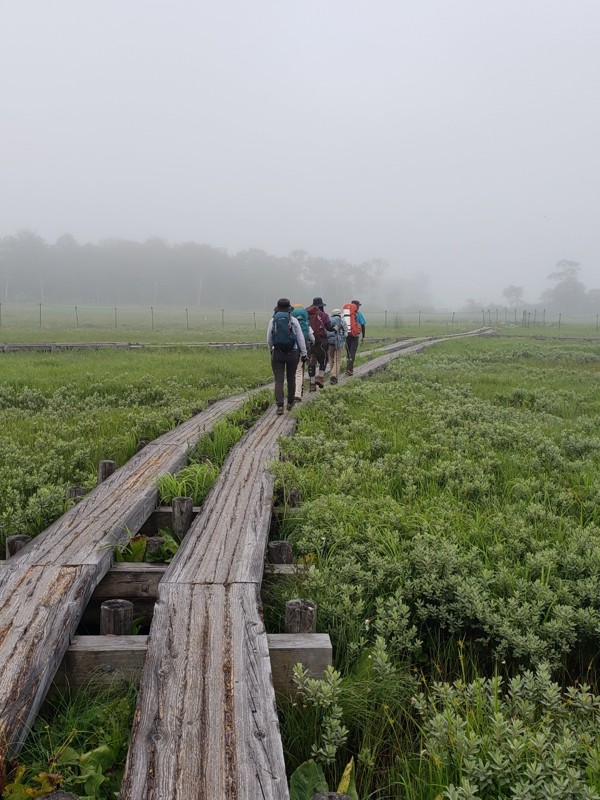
x=279 y=410
x=297 y=399
x=312 y=387
x=320 y=382
x=290 y=407
x=349 y=373
x=333 y=380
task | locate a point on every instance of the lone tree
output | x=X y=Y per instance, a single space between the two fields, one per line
x=569 y=294
x=513 y=295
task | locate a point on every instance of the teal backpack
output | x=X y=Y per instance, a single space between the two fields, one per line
x=301 y=315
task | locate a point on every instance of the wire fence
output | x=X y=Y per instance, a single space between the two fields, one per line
x=139 y=318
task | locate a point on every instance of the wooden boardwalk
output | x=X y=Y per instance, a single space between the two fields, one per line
x=46 y=586
x=205 y=724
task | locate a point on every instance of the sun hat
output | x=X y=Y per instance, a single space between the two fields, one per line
x=284 y=304
x=337 y=312
x=318 y=301
x=357 y=303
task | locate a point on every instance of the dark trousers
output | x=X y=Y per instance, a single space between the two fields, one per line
x=351 y=348
x=284 y=366
x=317 y=354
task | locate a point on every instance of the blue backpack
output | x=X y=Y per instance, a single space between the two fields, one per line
x=282 y=333
x=337 y=337
x=301 y=315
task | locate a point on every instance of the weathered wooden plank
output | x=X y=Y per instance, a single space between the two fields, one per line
x=227 y=541
x=39 y=608
x=139 y=581
x=82 y=539
x=130 y=581
x=206 y=724
x=107 y=659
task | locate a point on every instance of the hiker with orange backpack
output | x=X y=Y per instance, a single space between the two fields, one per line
x=356 y=326
x=319 y=349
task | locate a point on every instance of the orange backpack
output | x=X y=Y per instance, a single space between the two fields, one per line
x=351 y=320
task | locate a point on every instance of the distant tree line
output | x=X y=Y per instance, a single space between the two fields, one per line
x=120 y=272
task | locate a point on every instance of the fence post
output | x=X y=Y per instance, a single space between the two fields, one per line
x=116 y=323
x=559 y=318
x=0 y=315
x=534 y=316
x=544 y=318
x=40 y=315
x=419 y=319
x=222 y=318
x=76 y=318
x=152 y=317
x=483 y=317
x=496 y=316
x=596 y=321
x=452 y=323
x=385 y=319
x=254 y=313
x=187 y=320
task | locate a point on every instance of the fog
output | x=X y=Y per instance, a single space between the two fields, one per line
x=455 y=140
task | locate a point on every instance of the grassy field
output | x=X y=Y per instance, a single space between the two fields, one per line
x=64 y=412
x=450 y=507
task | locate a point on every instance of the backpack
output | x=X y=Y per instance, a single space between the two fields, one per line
x=351 y=320
x=336 y=338
x=282 y=333
x=315 y=315
x=301 y=315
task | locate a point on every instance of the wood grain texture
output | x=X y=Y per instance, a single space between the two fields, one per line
x=113 y=658
x=227 y=540
x=45 y=587
x=206 y=724
x=39 y=609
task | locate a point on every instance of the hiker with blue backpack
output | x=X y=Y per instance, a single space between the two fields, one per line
x=301 y=314
x=336 y=338
x=287 y=345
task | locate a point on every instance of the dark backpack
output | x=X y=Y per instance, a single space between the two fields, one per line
x=282 y=333
x=315 y=316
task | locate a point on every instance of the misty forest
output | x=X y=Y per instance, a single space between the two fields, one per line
x=155 y=272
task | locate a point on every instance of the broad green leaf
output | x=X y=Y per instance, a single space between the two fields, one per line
x=308 y=779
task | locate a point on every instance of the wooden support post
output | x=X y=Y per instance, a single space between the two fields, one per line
x=183 y=513
x=15 y=543
x=105 y=470
x=116 y=617
x=153 y=547
x=300 y=616
x=74 y=492
x=280 y=552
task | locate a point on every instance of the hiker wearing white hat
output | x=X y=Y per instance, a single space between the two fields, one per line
x=336 y=338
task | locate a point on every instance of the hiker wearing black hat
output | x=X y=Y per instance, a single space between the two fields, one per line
x=317 y=356
x=356 y=326
x=287 y=345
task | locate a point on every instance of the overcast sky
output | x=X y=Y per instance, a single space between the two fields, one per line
x=455 y=138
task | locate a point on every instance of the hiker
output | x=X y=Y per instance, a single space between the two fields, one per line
x=356 y=326
x=287 y=346
x=301 y=314
x=336 y=339
x=319 y=349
